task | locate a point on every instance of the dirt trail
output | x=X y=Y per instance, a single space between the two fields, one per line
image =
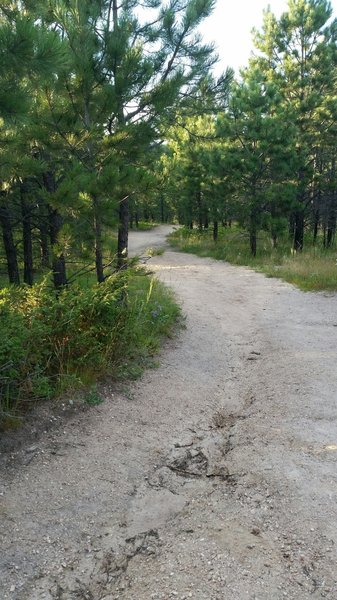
x=213 y=478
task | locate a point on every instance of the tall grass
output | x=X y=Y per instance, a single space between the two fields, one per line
x=314 y=269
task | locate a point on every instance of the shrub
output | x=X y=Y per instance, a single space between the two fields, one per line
x=52 y=341
x=48 y=339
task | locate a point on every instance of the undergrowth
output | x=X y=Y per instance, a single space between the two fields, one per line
x=52 y=342
x=145 y=225
x=314 y=269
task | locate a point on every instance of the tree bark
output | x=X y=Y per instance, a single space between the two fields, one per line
x=215 y=230
x=98 y=242
x=316 y=225
x=43 y=226
x=298 y=230
x=299 y=214
x=162 y=214
x=59 y=272
x=9 y=245
x=44 y=247
x=123 y=228
x=58 y=261
x=199 y=204
x=253 y=232
x=332 y=214
x=331 y=225
x=55 y=224
x=26 y=236
x=123 y=234
x=253 y=242
x=291 y=228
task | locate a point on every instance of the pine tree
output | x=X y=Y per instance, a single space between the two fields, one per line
x=299 y=55
x=259 y=152
x=154 y=65
x=31 y=56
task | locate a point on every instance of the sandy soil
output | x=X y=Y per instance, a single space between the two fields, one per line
x=213 y=478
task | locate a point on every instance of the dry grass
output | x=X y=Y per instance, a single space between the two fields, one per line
x=307 y=271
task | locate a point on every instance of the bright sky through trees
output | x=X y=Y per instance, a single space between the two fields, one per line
x=231 y=24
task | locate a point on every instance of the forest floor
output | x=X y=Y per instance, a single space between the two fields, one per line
x=213 y=477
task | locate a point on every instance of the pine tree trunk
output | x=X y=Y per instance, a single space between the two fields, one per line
x=9 y=245
x=162 y=215
x=123 y=234
x=123 y=227
x=44 y=248
x=58 y=261
x=98 y=242
x=43 y=227
x=299 y=230
x=330 y=236
x=27 y=237
x=291 y=227
x=55 y=224
x=299 y=214
x=199 y=204
x=253 y=242
x=59 y=272
x=253 y=233
x=215 y=230
x=332 y=214
x=316 y=225
x=331 y=225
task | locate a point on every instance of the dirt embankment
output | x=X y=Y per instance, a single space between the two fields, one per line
x=214 y=477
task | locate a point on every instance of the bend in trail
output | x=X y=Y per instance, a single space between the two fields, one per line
x=214 y=477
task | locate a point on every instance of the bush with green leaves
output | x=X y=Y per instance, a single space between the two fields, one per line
x=52 y=341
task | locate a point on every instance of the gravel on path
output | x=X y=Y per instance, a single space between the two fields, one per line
x=213 y=477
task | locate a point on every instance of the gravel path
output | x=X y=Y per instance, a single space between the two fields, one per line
x=213 y=478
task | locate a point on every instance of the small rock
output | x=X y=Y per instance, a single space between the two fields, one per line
x=31 y=449
x=184 y=443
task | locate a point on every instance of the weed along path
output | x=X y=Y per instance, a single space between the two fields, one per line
x=213 y=477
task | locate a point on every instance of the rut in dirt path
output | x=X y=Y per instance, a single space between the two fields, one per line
x=214 y=477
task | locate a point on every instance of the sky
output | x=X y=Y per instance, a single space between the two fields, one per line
x=230 y=28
